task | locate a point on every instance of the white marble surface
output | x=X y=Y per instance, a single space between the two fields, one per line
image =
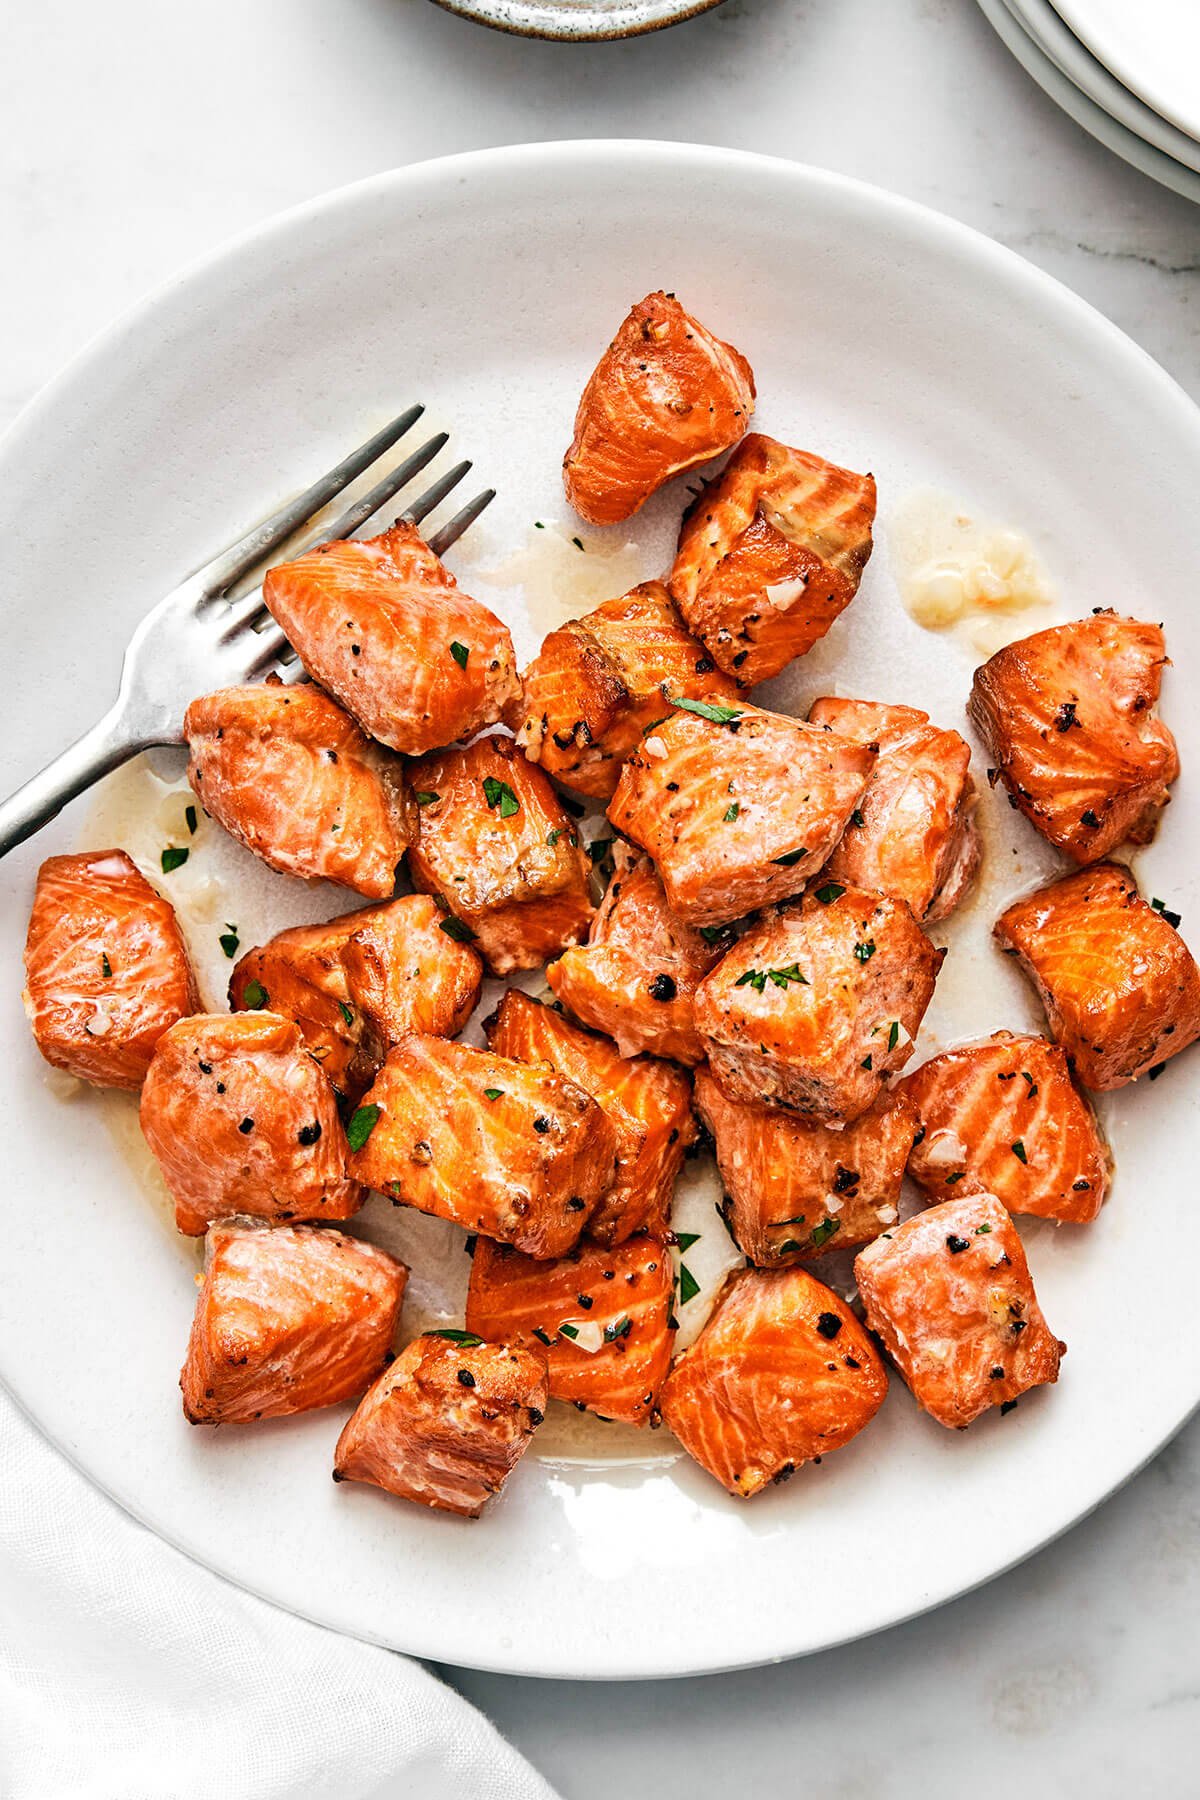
x=134 y=136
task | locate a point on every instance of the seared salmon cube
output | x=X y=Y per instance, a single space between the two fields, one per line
x=1003 y=1117
x=289 y=1317
x=769 y=554
x=514 y=1152
x=781 y=1373
x=1120 y=987
x=106 y=968
x=647 y=1102
x=818 y=1003
x=599 y=681
x=1068 y=719
x=665 y=396
x=497 y=847
x=912 y=833
x=241 y=1120
x=950 y=1294
x=291 y=776
x=738 y=807
x=447 y=1423
x=794 y=1188
x=637 y=975
x=383 y=625
x=601 y=1316
x=359 y=983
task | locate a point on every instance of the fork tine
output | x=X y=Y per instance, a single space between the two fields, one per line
x=453 y=529
x=249 y=607
x=231 y=564
x=270 y=646
x=433 y=496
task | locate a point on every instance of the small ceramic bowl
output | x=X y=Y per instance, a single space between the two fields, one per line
x=580 y=20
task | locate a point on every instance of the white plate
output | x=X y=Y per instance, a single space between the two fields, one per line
x=1153 y=46
x=1083 y=109
x=881 y=334
x=1098 y=83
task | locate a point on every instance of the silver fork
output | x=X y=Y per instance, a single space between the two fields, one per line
x=196 y=638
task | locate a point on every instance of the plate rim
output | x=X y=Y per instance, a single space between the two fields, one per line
x=938 y=229
x=1146 y=90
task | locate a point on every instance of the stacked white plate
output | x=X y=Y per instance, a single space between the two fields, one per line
x=1128 y=71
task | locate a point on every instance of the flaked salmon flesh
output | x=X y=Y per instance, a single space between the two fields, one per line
x=769 y=554
x=106 y=968
x=382 y=624
x=665 y=396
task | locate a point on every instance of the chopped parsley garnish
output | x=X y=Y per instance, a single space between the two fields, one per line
x=828 y=1324
x=956 y=1245
x=866 y=1062
x=1018 y=1150
x=856 y=817
x=619 y=1329
x=454 y=928
x=346 y=1012
x=599 y=848
x=538 y=526
x=460 y=653
x=1172 y=918
x=833 y=890
x=731 y=813
x=780 y=978
x=716 y=715
x=498 y=793
x=822 y=1233
x=173 y=858
x=796 y=1219
x=105 y=967
x=712 y=934
x=685 y=1239
x=982 y=1230
x=362 y=1124
x=578 y=543
x=957 y=1176
x=894 y=1034
x=492 y=1093
x=553 y=835
x=467 y=1339
x=1089 y=819
x=229 y=940
x=255 y=995
x=190 y=815
x=542 y=1336
x=569 y=1331
x=1156 y=1071
x=689 y=1287
x=425 y=796
x=866 y=951
x=793 y=856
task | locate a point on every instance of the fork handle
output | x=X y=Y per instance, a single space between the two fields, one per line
x=106 y=746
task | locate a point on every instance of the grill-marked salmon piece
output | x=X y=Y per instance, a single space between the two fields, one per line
x=241 y=1120
x=289 y=1317
x=447 y=1423
x=795 y=1188
x=602 y=1318
x=950 y=1294
x=769 y=554
x=665 y=396
x=497 y=847
x=648 y=1104
x=291 y=776
x=912 y=833
x=383 y=624
x=1003 y=1117
x=357 y=984
x=514 y=1152
x=818 y=1003
x=781 y=1372
x=106 y=968
x=598 y=682
x=1068 y=718
x=738 y=807
x=637 y=975
x=1120 y=987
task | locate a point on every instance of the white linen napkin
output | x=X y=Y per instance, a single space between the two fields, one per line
x=127 y=1672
